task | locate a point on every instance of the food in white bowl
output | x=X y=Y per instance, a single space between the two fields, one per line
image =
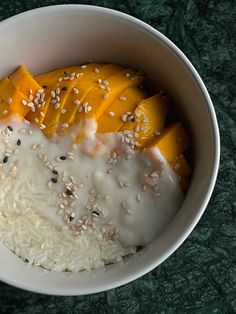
x=92 y=168
x=118 y=39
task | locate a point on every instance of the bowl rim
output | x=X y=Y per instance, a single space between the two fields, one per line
x=213 y=120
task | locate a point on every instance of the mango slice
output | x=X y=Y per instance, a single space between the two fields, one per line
x=63 y=74
x=148 y=117
x=111 y=120
x=24 y=81
x=181 y=166
x=80 y=90
x=172 y=142
x=101 y=96
x=13 y=97
x=50 y=82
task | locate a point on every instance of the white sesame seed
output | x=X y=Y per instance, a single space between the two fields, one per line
x=57 y=106
x=76 y=102
x=145 y=120
x=105 y=82
x=5 y=112
x=105 y=96
x=75 y=90
x=53 y=94
x=26 y=122
x=58 y=90
x=42 y=126
x=63 y=111
x=31 y=92
x=36 y=120
x=122 y=98
x=40 y=91
x=89 y=108
x=127 y=74
x=9 y=100
x=96 y=70
x=42 y=114
x=83 y=66
x=144 y=188
x=124 y=117
x=99 y=81
x=112 y=114
x=24 y=102
x=65 y=125
x=138 y=197
x=102 y=87
x=80 y=109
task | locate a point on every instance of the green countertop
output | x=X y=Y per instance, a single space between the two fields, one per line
x=200 y=277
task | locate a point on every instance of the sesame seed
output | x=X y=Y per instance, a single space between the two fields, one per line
x=145 y=120
x=83 y=66
x=62 y=157
x=58 y=90
x=111 y=113
x=24 y=102
x=75 y=90
x=54 y=180
x=55 y=172
x=57 y=106
x=36 y=120
x=5 y=112
x=63 y=111
x=96 y=70
x=138 y=197
x=18 y=142
x=65 y=125
x=26 y=122
x=122 y=98
x=64 y=88
x=102 y=87
x=5 y=159
x=9 y=100
x=80 y=109
x=42 y=126
x=10 y=128
x=40 y=91
x=99 y=81
x=53 y=94
x=89 y=108
x=53 y=101
x=76 y=102
x=144 y=188
x=105 y=96
x=127 y=74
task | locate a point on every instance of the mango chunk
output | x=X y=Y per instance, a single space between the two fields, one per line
x=49 y=113
x=80 y=90
x=51 y=78
x=148 y=117
x=111 y=120
x=101 y=96
x=172 y=142
x=181 y=166
x=24 y=81
x=14 y=98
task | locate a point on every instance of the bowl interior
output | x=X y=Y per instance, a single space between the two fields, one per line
x=53 y=37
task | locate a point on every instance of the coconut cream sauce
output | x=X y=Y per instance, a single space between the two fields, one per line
x=136 y=192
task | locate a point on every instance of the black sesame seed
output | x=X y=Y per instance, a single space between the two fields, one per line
x=65 y=73
x=133 y=119
x=62 y=157
x=26 y=260
x=96 y=213
x=55 y=172
x=44 y=86
x=71 y=218
x=5 y=159
x=68 y=192
x=10 y=128
x=64 y=88
x=18 y=142
x=54 y=180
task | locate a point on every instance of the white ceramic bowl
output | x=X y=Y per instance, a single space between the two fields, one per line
x=57 y=36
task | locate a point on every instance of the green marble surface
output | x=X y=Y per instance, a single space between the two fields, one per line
x=200 y=277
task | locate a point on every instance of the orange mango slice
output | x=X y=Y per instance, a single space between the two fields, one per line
x=172 y=142
x=101 y=96
x=111 y=120
x=148 y=117
x=181 y=166
x=13 y=97
x=80 y=90
x=24 y=81
x=49 y=113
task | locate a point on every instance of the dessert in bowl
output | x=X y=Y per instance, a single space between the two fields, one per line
x=96 y=166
